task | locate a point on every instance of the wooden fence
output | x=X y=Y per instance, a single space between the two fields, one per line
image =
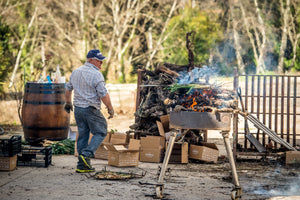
x=273 y=100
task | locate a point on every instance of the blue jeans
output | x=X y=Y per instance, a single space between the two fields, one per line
x=89 y=120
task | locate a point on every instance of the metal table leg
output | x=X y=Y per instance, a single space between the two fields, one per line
x=159 y=189
x=237 y=191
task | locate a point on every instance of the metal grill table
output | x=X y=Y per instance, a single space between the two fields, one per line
x=203 y=121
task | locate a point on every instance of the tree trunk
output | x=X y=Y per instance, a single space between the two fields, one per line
x=236 y=38
x=249 y=34
x=20 y=50
x=295 y=45
x=283 y=44
x=83 y=24
x=43 y=61
x=260 y=68
x=292 y=33
x=159 y=41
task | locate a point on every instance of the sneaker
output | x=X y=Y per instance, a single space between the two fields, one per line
x=85 y=170
x=85 y=161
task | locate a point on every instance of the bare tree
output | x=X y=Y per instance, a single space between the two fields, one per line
x=261 y=39
x=12 y=79
x=131 y=33
x=256 y=34
x=236 y=38
x=124 y=18
x=294 y=36
x=162 y=37
x=285 y=10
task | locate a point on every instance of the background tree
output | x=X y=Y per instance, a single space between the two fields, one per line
x=257 y=36
x=208 y=32
x=5 y=53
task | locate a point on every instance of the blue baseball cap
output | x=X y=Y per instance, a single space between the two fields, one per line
x=95 y=53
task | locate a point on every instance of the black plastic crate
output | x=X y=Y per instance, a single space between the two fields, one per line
x=10 y=146
x=35 y=156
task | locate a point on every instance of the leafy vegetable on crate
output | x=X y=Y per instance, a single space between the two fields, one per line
x=190 y=87
x=61 y=147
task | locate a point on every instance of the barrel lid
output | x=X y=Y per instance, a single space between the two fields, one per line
x=45 y=85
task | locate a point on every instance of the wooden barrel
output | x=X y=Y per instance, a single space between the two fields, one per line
x=43 y=114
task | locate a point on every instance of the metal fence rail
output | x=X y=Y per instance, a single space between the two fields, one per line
x=273 y=100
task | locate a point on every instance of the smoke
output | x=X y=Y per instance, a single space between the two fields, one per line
x=289 y=189
x=286 y=187
x=197 y=75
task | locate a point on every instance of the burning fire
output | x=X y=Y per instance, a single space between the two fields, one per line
x=193 y=104
x=199 y=99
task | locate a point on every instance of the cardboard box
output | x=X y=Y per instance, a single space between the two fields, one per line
x=8 y=163
x=152 y=147
x=114 y=138
x=209 y=152
x=152 y=142
x=102 y=152
x=292 y=157
x=152 y=155
x=118 y=138
x=163 y=125
x=179 y=153
x=124 y=155
x=165 y=120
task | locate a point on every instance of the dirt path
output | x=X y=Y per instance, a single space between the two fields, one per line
x=259 y=180
x=185 y=181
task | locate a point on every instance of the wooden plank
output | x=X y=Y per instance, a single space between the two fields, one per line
x=264 y=107
x=282 y=107
x=252 y=94
x=258 y=106
x=294 y=111
x=288 y=109
x=270 y=103
x=276 y=107
x=246 y=108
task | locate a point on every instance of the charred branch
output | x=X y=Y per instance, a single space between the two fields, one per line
x=177 y=68
x=162 y=68
x=190 y=46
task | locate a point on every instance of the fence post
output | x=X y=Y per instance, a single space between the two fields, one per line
x=236 y=78
x=235 y=115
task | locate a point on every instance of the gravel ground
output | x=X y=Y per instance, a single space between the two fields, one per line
x=259 y=180
x=267 y=180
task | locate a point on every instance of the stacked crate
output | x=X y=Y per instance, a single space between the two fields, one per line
x=9 y=148
x=35 y=156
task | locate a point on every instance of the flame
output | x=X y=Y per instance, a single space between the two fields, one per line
x=204 y=94
x=193 y=104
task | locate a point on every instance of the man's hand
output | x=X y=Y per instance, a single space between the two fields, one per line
x=111 y=113
x=68 y=107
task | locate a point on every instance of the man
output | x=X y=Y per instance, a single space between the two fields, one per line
x=89 y=91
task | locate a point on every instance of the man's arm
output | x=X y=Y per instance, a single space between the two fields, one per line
x=107 y=103
x=68 y=105
x=68 y=96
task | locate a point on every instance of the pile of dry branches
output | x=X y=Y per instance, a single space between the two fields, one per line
x=160 y=94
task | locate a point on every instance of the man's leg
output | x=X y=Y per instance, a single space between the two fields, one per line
x=83 y=164
x=98 y=126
